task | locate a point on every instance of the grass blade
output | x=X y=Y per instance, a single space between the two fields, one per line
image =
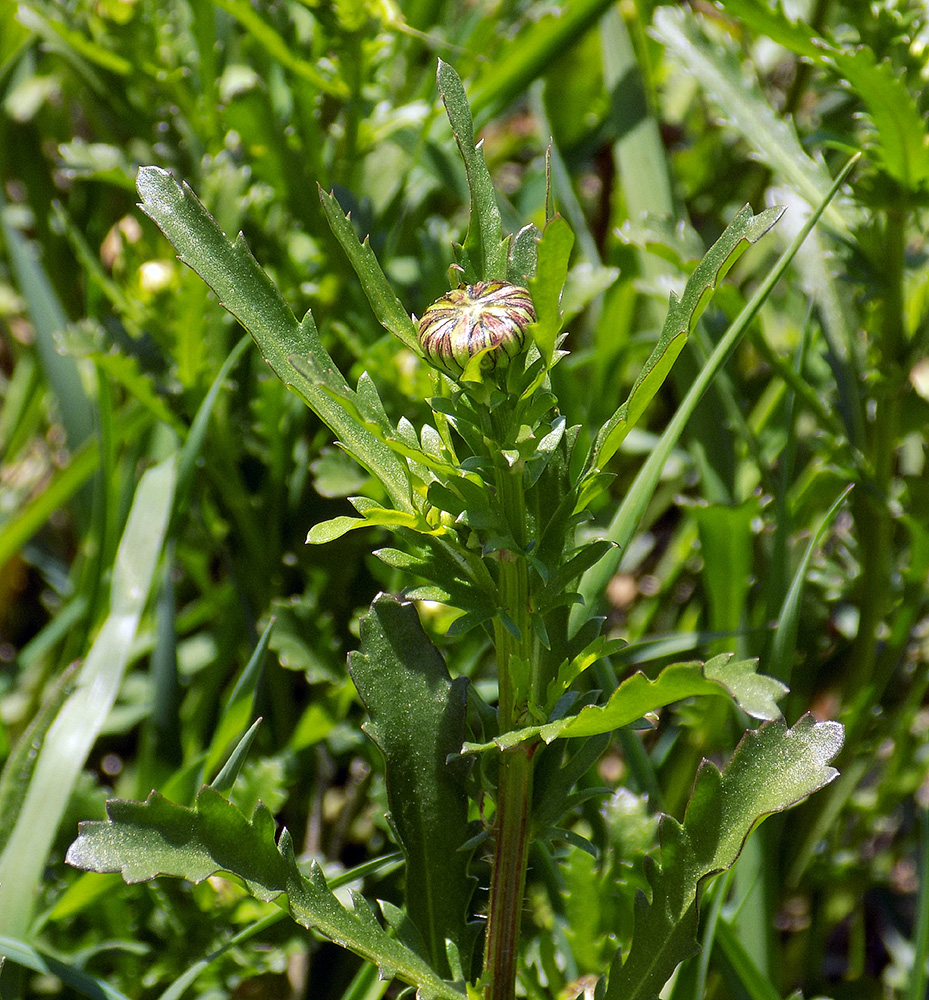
x=81 y=718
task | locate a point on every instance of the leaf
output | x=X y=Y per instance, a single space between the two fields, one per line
x=81 y=982
x=902 y=149
x=524 y=257
x=756 y=694
x=387 y=307
x=547 y=285
x=328 y=531
x=772 y=769
x=142 y=840
x=281 y=50
x=249 y=294
x=78 y=723
x=627 y=519
x=719 y=72
x=484 y=246
x=683 y=314
x=540 y=44
x=417 y=719
x=784 y=646
x=20 y=765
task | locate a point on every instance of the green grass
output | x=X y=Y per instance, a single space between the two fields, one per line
x=117 y=364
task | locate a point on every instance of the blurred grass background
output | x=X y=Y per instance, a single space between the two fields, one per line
x=664 y=120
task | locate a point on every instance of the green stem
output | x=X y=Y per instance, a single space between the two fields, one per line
x=872 y=513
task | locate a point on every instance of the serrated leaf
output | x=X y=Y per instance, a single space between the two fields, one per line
x=229 y=268
x=683 y=313
x=756 y=694
x=903 y=146
x=772 y=769
x=626 y=520
x=546 y=286
x=485 y=249
x=142 y=840
x=721 y=74
x=417 y=719
x=387 y=307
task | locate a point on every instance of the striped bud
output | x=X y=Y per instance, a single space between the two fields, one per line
x=487 y=314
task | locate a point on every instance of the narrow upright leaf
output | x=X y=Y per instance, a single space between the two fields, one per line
x=772 y=769
x=78 y=723
x=484 y=246
x=249 y=294
x=546 y=287
x=387 y=307
x=417 y=720
x=683 y=314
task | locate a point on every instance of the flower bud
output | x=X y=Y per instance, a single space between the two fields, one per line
x=470 y=318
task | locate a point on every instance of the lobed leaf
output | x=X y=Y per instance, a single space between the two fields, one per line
x=142 y=840
x=417 y=719
x=627 y=519
x=756 y=694
x=903 y=146
x=774 y=138
x=772 y=769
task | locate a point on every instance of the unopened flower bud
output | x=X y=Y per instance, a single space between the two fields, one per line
x=470 y=318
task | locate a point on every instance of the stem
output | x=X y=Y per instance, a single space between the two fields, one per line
x=872 y=513
x=508 y=883
x=514 y=786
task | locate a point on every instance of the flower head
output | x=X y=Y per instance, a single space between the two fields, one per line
x=490 y=316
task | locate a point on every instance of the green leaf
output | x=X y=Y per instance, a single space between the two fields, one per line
x=484 y=246
x=524 y=256
x=756 y=694
x=238 y=708
x=328 y=531
x=539 y=46
x=281 y=50
x=744 y=230
x=49 y=319
x=784 y=646
x=627 y=519
x=417 y=720
x=249 y=294
x=20 y=765
x=726 y=544
x=224 y=781
x=81 y=982
x=901 y=128
x=546 y=287
x=80 y=719
x=387 y=307
x=719 y=72
x=772 y=769
x=142 y=840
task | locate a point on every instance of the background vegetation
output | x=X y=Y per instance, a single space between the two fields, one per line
x=664 y=120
